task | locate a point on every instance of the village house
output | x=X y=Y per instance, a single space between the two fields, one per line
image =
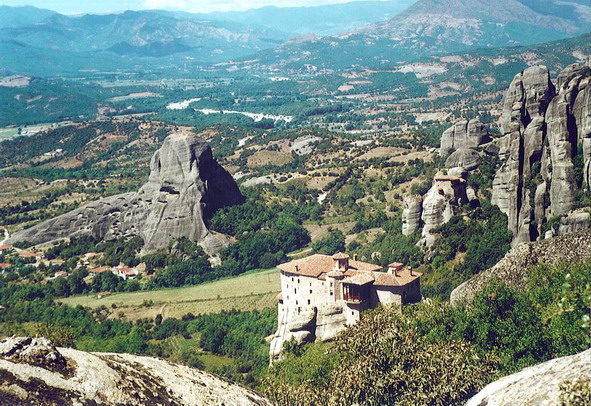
x=126 y=272
x=355 y=285
x=5 y=249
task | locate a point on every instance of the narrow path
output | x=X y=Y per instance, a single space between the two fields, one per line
x=296 y=254
x=6 y=236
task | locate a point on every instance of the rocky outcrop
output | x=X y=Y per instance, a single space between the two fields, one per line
x=444 y=200
x=185 y=187
x=542 y=127
x=310 y=324
x=330 y=321
x=466 y=157
x=299 y=327
x=411 y=214
x=512 y=269
x=463 y=135
x=539 y=385
x=34 y=372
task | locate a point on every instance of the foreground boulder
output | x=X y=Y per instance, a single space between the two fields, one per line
x=34 y=372
x=512 y=269
x=186 y=186
x=542 y=385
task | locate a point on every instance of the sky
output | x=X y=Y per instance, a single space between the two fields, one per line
x=194 y=6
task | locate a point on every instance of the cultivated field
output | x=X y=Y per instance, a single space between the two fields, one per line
x=252 y=291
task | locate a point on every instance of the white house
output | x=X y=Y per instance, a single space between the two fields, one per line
x=355 y=285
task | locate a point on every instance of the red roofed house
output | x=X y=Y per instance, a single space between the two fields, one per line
x=5 y=249
x=326 y=294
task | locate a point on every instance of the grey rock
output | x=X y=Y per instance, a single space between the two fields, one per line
x=577 y=221
x=304 y=320
x=465 y=157
x=536 y=385
x=464 y=134
x=459 y=172
x=541 y=129
x=186 y=186
x=330 y=322
x=575 y=247
x=411 y=214
x=440 y=204
x=107 y=379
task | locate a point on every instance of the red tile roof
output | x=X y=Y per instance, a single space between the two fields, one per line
x=358 y=272
x=318 y=264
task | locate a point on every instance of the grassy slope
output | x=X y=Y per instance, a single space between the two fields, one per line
x=251 y=291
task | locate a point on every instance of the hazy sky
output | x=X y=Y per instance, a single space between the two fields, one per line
x=196 y=6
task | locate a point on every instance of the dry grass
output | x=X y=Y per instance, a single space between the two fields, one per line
x=253 y=291
x=266 y=157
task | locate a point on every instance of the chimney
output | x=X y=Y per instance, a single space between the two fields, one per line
x=410 y=270
x=297 y=268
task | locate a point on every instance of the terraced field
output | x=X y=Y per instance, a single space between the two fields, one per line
x=252 y=291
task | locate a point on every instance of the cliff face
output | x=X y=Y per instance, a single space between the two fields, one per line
x=542 y=127
x=185 y=187
x=33 y=371
x=458 y=144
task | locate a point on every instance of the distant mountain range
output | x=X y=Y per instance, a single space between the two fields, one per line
x=431 y=27
x=330 y=19
x=41 y=42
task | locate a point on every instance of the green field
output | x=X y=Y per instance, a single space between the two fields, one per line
x=251 y=291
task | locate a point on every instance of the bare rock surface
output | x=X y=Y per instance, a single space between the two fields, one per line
x=444 y=200
x=463 y=135
x=106 y=379
x=411 y=214
x=185 y=187
x=537 y=385
x=542 y=126
x=511 y=270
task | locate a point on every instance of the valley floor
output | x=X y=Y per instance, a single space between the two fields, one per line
x=251 y=291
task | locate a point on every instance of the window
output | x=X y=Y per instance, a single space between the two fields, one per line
x=295 y=291
x=310 y=284
x=352 y=313
x=308 y=301
x=331 y=293
x=296 y=302
x=310 y=291
x=292 y=278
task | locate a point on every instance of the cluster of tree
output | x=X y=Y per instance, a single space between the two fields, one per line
x=382 y=359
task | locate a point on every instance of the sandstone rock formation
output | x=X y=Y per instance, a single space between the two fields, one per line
x=444 y=200
x=537 y=385
x=458 y=144
x=34 y=372
x=463 y=135
x=575 y=247
x=309 y=325
x=411 y=214
x=185 y=187
x=542 y=127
